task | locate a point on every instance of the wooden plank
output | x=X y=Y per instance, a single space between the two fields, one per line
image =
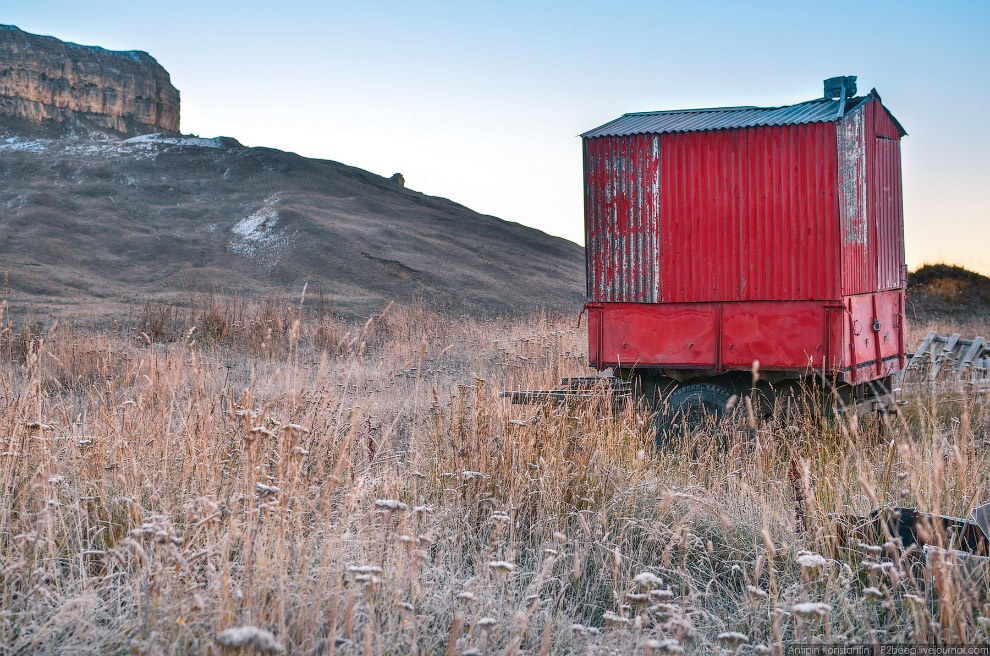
x=926 y=344
x=950 y=346
x=943 y=353
x=975 y=348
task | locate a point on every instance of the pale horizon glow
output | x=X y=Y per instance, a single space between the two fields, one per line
x=482 y=103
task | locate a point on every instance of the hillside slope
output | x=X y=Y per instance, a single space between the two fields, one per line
x=937 y=290
x=97 y=218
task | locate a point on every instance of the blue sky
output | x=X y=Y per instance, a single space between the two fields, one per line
x=481 y=102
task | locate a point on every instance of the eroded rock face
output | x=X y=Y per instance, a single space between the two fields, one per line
x=44 y=81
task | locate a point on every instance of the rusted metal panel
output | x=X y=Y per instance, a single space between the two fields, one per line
x=622 y=218
x=858 y=272
x=871 y=209
x=749 y=214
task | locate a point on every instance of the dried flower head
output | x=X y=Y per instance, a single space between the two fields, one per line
x=756 y=593
x=811 y=609
x=732 y=639
x=810 y=561
x=390 y=505
x=612 y=619
x=364 y=569
x=501 y=566
x=38 y=426
x=296 y=429
x=637 y=598
x=250 y=636
x=872 y=593
x=368 y=580
x=486 y=623
x=667 y=646
x=267 y=490
x=661 y=594
x=584 y=631
x=647 y=579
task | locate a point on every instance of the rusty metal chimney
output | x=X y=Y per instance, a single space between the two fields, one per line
x=841 y=87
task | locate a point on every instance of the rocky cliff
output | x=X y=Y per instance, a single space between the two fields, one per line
x=48 y=82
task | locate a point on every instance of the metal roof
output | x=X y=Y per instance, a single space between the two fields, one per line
x=723 y=118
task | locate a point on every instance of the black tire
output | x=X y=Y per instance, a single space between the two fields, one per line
x=689 y=408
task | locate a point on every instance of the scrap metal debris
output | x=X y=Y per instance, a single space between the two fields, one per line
x=961 y=357
x=573 y=390
x=904 y=528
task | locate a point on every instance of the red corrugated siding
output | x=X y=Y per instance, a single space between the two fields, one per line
x=622 y=204
x=797 y=212
x=885 y=198
x=749 y=214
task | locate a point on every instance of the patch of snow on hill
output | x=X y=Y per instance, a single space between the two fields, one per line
x=259 y=225
x=168 y=140
x=258 y=237
x=16 y=143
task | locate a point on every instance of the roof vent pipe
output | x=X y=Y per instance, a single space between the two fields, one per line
x=836 y=86
x=841 y=87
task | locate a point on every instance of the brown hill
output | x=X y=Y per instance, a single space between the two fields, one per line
x=946 y=289
x=100 y=219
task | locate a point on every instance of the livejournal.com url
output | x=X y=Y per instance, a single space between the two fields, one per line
x=887 y=650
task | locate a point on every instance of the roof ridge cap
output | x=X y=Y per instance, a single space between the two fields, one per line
x=693 y=110
x=735 y=108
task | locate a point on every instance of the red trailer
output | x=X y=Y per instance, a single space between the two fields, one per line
x=719 y=238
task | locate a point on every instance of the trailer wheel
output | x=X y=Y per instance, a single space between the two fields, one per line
x=691 y=407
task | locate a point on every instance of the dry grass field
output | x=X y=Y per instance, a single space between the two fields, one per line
x=245 y=478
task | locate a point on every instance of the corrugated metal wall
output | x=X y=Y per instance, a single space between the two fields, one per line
x=858 y=268
x=622 y=208
x=794 y=212
x=749 y=214
x=870 y=200
x=886 y=203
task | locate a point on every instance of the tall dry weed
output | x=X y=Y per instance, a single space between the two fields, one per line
x=299 y=482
